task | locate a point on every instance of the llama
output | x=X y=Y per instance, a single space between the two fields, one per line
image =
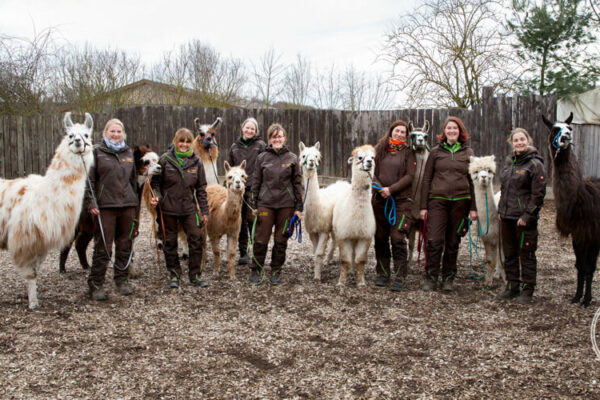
x=225 y=205
x=353 y=219
x=39 y=213
x=318 y=205
x=418 y=144
x=577 y=201
x=482 y=171
x=205 y=146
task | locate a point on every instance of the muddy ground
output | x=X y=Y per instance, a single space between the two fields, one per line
x=297 y=340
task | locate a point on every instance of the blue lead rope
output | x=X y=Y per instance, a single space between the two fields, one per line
x=391 y=215
x=295 y=227
x=555 y=142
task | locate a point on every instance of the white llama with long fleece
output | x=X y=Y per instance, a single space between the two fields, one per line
x=353 y=218
x=318 y=205
x=39 y=213
x=482 y=171
x=205 y=147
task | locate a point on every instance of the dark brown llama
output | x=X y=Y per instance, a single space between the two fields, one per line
x=577 y=202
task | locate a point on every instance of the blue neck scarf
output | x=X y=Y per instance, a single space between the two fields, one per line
x=114 y=146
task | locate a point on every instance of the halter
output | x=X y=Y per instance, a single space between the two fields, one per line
x=556 y=140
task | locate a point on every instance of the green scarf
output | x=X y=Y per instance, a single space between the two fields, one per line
x=181 y=157
x=452 y=149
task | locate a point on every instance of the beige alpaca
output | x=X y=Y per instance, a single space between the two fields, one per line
x=205 y=147
x=225 y=207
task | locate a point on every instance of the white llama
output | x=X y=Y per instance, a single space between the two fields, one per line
x=418 y=144
x=205 y=146
x=482 y=171
x=353 y=218
x=39 y=213
x=225 y=205
x=318 y=205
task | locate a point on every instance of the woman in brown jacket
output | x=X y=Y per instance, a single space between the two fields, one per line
x=523 y=180
x=181 y=192
x=446 y=198
x=395 y=166
x=113 y=182
x=277 y=196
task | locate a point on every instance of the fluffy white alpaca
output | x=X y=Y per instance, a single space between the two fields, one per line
x=205 y=147
x=225 y=210
x=353 y=218
x=39 y=213
x=482 y=171
x=318 y=205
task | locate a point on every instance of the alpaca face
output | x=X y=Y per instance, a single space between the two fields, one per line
x=363 y=159
x=206 y=132
x=310 y=157
x=419 y=136
x=79 y=135
x=484 y=177
x=150 y=163
x=235 y=179
x=482 y=170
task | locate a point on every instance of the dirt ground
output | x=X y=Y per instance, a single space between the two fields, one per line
x=298 y=340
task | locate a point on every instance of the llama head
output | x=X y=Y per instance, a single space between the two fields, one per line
x=363 y=159
x=79 y=135
x=206 y=132
x=310 y=157
x=418 y=136
x=146 y=161
x=560 y=136
x=482 y=170
x=235 y=177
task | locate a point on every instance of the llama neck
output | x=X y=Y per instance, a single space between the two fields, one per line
x=480 y=199
x=233 y=205
x=361 y=181
x=68 y=166
x=312 y=196
x=567 y=179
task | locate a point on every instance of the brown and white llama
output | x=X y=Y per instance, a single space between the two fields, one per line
x=39 y=213
x=353 y=219
x=577 y=201
x=205 y=147
x=418 y=144
x=225 y=216
x=482 y=171
x=318 y=205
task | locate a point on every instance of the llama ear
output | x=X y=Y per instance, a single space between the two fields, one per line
x=216 y=124
x=569 y=119
x=493 y=158
x=243 y=165
x=548 y=123
x=318 y=146
x=426 y=126
x=350 y=160
x=197 y=123
x=89 y=122
x=227 y=166
x=471 y=158
x=301 y=146
x=411 y=127
x=67 y=120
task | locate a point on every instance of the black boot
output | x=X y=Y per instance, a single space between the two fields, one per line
x=526 y=296
x=511 y=291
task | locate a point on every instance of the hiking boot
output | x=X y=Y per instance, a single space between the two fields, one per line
x=511 y=291
x=98 y=294
x=447 y=286
x=174 y=282
x=397 y=285
x=526 y=296
x=382 y=280
x=428 y=285
x=275 y=279
x=254 y=277
x=198 y=282
x=244 y=260
x=124 y=289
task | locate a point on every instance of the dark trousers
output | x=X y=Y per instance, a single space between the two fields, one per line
x=519 y=244
x=396 y=234
x=447 y=222
x=247 y=219
x=267 y=218
x=192 y=226
x=117 y=224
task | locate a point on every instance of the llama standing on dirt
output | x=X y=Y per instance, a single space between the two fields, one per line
x=577 y=201
x=418 y=143
x=225 y=210
x=353 y=218
x=39 y=213
x=318 y=205
x=482 y=171
x=205 y=146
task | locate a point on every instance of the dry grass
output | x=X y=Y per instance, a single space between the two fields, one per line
x=297 y=340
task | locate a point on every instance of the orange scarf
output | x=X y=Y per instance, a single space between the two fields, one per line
x=396 y=145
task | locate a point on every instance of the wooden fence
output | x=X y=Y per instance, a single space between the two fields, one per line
x=27 y=143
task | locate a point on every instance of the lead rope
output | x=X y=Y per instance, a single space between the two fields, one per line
x=475 y=249
x=162 y=226
x=487 y=215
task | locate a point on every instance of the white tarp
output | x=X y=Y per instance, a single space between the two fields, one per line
x=585 y=107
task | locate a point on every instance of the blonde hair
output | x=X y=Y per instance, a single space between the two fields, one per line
x=183 y=134
x=114 y=121
x=253 y=122
x=274 y=128
x=519 y=130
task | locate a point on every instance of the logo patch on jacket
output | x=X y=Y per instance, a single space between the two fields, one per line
x=192 y=171
x=520 y=171
x=127 y=159
x=286 y=165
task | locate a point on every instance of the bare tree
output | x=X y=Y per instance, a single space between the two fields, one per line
x=445 y=51
x=363 y=92
x=267 y=74
x=298 y=82
x=327 y=89
x=173 y=69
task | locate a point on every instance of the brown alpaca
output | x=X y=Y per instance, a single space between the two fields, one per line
x=225 y=216
x=205 y=146
x=577 y=202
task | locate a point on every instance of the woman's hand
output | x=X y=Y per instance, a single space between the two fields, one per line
x=521 y=222
x=423 y=214
x=94 y=211
x=299 y=215
x=385 y=192
x=473 y=215
x=154 y=202
x=204 y=219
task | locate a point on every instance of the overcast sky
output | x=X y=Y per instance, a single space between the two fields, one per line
x=325 y=31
